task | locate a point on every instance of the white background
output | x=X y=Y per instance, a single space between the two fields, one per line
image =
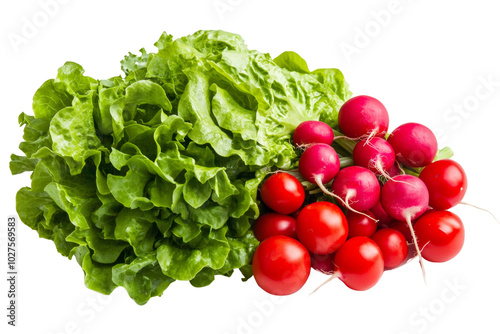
x=425 y=60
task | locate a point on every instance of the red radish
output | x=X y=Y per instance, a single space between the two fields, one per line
x=393 y=245
x=319 y=164
x=447 y=183
x=403 y=228
x=322 y=227
x=440 y=235
x=359 y=263
x=412 y=252
x=360 y=224
x=429 y=210
x=405 y=197
x=272 y=224
x=323 y=263
x=357 y=187
x=281 y=265
x=283 y=193
x=295 y=214
x=415 y=144
x=393 y=170
x=313 y=132
x=363 y=116
x=383 y=218
x=375 y=154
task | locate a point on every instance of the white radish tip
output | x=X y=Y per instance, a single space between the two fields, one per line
x=417 y=248
x=331 y=278
x=479 y=208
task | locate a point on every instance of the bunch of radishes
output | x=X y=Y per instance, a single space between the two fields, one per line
x=392 y=201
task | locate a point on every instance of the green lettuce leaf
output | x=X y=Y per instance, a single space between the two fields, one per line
x=142 y=278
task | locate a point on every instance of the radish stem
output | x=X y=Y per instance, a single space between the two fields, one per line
x=346 y=162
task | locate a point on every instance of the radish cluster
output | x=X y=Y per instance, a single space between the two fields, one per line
x=385 y=204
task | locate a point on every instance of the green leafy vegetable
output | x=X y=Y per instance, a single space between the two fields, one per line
x=153 y=177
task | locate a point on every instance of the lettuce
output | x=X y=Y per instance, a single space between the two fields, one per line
x=152 y=177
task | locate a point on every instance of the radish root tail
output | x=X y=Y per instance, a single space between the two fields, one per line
x=347 y=138
x=417 y=248
x=366 y=136
x=344 y=203
x=303 y=147
x=380 y=169
x=400 y=168
x=331 y=278
x=371 y=135
x=479 y=208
